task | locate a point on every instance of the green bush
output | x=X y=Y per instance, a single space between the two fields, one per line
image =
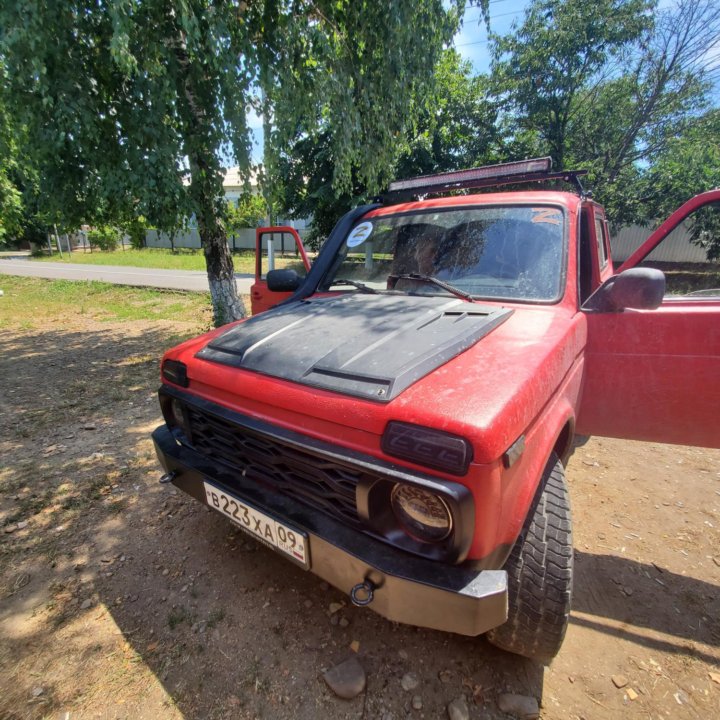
x=136 y=230
x=104 y=237
x=249 y=212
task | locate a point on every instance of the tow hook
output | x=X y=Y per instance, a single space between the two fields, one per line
x=168 y=477
x=362 y=593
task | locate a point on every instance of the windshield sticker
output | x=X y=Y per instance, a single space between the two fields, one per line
x=359 y=234
x=553 y=216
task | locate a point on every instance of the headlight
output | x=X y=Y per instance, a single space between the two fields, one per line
x=421 y=513
x=425 y=446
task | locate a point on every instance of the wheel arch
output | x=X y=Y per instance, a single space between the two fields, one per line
x=549 y=438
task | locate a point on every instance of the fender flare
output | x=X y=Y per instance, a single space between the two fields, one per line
x=545 y=441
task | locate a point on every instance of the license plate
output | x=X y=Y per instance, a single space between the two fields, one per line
x=289 y=541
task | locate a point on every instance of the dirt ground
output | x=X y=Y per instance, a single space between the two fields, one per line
x=121 y=598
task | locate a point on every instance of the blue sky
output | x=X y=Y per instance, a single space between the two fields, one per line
x=472 y=40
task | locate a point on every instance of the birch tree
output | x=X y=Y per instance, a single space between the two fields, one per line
x=132 y=107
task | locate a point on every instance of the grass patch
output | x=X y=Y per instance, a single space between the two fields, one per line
x=182 y=259
x=29 y=299
x=215 y=617
x=117 y=506
x=177 y=616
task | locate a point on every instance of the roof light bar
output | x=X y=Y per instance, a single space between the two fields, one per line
x=460 y=178
x=513 y=173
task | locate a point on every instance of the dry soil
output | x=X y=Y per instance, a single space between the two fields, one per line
x=121 y=598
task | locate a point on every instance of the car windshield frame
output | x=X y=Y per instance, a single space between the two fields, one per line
x=336 y=267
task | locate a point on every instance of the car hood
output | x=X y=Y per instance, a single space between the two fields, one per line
x=368 y=346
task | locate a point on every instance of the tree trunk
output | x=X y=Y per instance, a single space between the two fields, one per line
x=206 y=190
x=227 y=306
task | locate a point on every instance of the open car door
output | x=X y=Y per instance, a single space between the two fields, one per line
x=276 y=247
x=654 y=375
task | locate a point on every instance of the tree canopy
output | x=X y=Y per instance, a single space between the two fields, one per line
x=608 y=86
x=558 y=49
x=604 y=85
x=452 y=125
x=10 y=196
x=689 y=165
x=130 y=108
x=120 y=102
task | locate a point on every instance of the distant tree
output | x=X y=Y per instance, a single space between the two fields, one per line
x=664 y=87
x=606 y=86
x=136 y=229
x=248 y=212
x=670 y=76
x=454 y=123
x=542 y=67
x=11 y=207
x=124 y=99
x=690 y=164
x=308 y=189
x=104 y=237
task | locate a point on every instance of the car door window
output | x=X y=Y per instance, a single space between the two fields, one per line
x=279 y=250
x=690 y=257
x=601 y=240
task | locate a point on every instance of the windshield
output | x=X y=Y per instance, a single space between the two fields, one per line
x=511 y=253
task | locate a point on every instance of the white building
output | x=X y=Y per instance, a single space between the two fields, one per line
x=234 y=187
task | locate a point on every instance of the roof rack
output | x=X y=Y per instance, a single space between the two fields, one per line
x=512 y=173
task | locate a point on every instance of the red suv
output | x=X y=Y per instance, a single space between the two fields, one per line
x=398 y=423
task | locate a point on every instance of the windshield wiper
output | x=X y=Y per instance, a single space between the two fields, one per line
x=435 y=281
x=355 y=284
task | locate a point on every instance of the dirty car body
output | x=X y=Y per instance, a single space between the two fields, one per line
x=398 y=423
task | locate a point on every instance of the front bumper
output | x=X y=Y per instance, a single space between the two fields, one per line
x=407 y=589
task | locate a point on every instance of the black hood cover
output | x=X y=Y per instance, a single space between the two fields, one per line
x=370 y=346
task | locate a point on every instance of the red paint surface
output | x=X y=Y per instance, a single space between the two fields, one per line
x=261 y=298
x=655 y=375
x=651 y=375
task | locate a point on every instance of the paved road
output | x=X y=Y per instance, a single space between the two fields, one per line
x=195 y=280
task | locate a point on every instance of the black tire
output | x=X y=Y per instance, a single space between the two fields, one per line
x=539 y=572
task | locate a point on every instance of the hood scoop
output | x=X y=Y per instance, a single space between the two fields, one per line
x=369 y=346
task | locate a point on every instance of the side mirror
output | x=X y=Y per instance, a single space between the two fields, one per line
x=636 y=288
x=285 y=280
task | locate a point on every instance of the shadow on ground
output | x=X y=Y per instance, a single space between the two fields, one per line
x=114 y=573
x=623 y=590
x=122 y=598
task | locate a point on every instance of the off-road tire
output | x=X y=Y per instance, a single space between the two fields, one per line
x=539 y=572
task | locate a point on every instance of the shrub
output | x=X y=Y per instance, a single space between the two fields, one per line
x=104 y=237
x=136 y=230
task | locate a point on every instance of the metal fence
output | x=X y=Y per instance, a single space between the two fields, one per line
x=243 y=239
x=677 y=247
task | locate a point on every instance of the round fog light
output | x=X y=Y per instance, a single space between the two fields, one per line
x=421 y=513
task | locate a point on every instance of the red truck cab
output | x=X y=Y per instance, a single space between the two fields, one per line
x=398 y=423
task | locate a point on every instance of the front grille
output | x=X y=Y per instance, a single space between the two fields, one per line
x=322 y=484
